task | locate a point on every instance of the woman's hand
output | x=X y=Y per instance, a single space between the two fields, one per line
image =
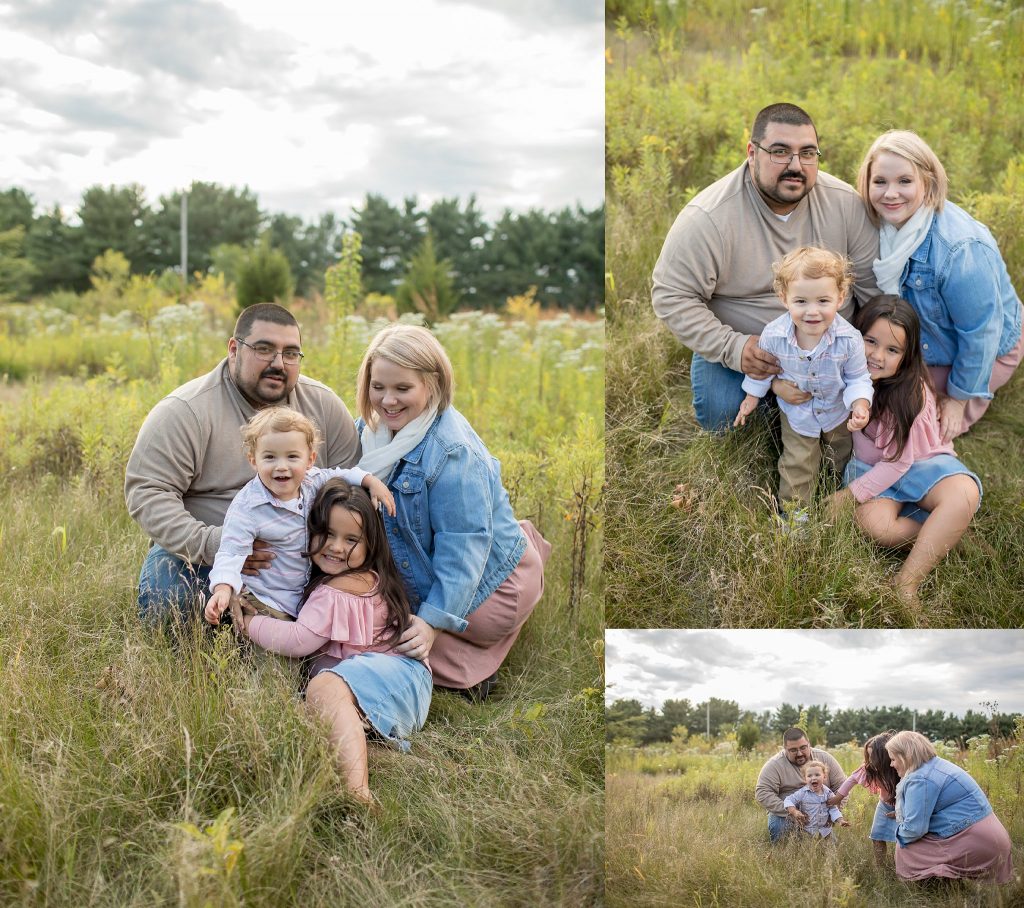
x=789 y=392
x=834 y=801
x=951 y=417
x=417 y=640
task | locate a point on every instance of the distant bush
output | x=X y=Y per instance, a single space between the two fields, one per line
x=264 y=277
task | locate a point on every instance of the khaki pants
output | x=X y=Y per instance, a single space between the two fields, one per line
x=801 y=459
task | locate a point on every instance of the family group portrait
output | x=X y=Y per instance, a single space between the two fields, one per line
x=847 y=782
x=301 y=399
x=814 y=272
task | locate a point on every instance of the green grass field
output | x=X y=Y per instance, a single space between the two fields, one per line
x=683 y=829
x=684 y=82
x=132 y=773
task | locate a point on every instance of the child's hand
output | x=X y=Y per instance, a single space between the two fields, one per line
x=891 y=815
x=860 y=414
x=748 y=406
x=789 y=391
x=379 y=493
x=836 y=504
x=842 y=821
x=242 y=612
x=217 y=603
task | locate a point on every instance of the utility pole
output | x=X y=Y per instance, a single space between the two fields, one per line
x=709 y=718
x=184 y=243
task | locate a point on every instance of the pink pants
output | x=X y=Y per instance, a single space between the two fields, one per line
x=462 y=660
x=1002 y=370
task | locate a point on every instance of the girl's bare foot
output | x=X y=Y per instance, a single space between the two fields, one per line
x=907 y=595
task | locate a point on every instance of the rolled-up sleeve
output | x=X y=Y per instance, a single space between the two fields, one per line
x=919 y=799
x=461 y=512
x=971 y=293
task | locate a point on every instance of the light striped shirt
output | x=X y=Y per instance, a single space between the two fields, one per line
x=835 y=372
x=255 y=513
x=818 y=812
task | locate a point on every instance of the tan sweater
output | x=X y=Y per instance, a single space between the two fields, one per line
x=187 y=463
x=713 y=280
x=780 y=778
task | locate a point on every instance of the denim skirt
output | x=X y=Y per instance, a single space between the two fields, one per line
x=917 y=482
x=392 y=691
x=883 y=828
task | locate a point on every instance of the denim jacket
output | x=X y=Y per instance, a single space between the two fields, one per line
x=938 y=798
x=454 y=536
x=958 y=284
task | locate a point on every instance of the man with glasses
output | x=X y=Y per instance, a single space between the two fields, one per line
x=713 y=280
x=782 y=775
x=187 y=463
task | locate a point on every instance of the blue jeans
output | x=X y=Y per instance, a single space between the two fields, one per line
x=778 y=827
x=171 y=588
x=717 y=394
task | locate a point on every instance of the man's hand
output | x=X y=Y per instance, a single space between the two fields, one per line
x=758 y=363
x=259 y=559
x=789 y=392
x=417 y=640
x=860 y=414
x=951 y=417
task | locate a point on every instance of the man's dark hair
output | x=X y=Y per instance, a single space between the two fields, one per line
x=793 y=734
x=263 y=312
x=789 y=114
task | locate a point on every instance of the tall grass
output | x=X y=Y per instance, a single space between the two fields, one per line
x=691 y=541
x=135 y=772
x=685 y=830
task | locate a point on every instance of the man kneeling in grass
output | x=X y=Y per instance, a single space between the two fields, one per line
x=782 y=776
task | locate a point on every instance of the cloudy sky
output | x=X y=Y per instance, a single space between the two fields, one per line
x=949 y=670
x=311 y=104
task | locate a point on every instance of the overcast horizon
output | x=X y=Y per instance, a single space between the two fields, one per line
x=309 y=108
x=952 y=671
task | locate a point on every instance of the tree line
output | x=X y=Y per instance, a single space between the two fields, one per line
x=450 y=244
x=629 y=722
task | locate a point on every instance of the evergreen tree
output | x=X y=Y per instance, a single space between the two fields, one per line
x=427 y=287
x=265 y=277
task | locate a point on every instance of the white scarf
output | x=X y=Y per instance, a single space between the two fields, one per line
x=382 y=448
x=895 y=247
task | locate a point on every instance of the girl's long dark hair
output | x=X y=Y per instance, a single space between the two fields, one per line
x=336 y=493
x=878 y=766
x=899 y=399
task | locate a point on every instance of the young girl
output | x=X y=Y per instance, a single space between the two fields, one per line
x=900 y=458
x=879 y=777
x=352 y=613
x=280 y=443
x=813 y=800
x=823 y=356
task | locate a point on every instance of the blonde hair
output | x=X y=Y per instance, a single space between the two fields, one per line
x=818 y=763
x=811 y=263
x=911 y=147
x=912 y=747
x=410 y=347
x=278 y=419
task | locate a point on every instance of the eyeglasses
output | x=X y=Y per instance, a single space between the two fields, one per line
x=268 y=353
x=779 y=154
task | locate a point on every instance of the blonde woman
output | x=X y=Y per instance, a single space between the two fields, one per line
x=946 y=827
x=947 y=265
x=473 y=571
